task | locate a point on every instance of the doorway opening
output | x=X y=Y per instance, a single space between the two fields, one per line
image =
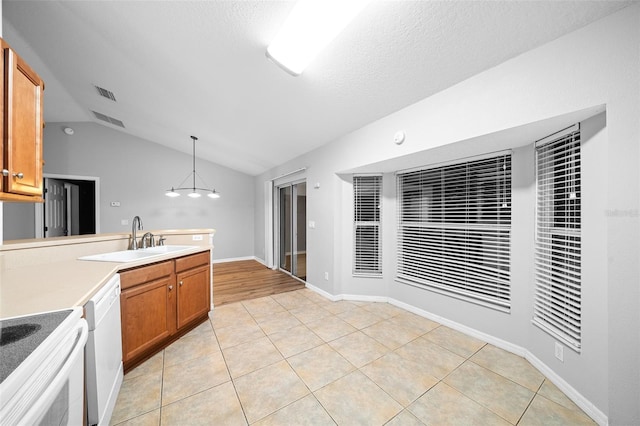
x=71 y=207
x=292 y=230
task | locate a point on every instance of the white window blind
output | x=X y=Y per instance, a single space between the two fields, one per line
x=454 y=229
x=366 y=223
x=557 y=306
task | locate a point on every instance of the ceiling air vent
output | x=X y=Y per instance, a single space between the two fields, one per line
x=108 y=119
x=106 y=93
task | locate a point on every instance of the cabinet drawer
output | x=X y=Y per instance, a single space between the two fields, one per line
x=135 y=276
x=192 y=261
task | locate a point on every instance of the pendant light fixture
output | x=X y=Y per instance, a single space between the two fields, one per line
x=193 y=191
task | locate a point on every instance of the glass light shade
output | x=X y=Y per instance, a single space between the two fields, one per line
x=309 y=28
x=213 y=194
x=193 y=195
x=171 y=193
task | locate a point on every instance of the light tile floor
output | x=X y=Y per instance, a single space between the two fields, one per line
x=296 y=358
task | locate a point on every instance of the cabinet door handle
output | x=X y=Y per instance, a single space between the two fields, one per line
x=5 y=172
x=180 y=283
x=18 y=175
x=170 y=287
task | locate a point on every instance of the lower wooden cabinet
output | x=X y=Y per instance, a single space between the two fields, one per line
x=160 y=302
x=193 y=295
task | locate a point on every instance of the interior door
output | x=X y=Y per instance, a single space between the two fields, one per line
x=72 y=192
x=292 y=229
x=55 y=208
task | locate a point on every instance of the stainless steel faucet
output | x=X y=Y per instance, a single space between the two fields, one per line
x=134 y=241
x=148 y=236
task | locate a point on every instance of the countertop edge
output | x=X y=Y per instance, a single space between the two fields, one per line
x=83 y=239
x=87 y=292
x=121 y=266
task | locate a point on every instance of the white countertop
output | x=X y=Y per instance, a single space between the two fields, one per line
x=29 y=289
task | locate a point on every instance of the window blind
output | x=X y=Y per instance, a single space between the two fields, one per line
x=557 y=305
x=454 y=229
x=366 y=222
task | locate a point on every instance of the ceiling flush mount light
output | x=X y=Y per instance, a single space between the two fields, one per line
x=308 y=29
x=193 y=191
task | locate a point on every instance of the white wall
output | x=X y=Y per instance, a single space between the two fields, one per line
x=18 y=222
x=594 y=66
x=137 y=172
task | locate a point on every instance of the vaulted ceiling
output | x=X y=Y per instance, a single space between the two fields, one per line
x=181 y=68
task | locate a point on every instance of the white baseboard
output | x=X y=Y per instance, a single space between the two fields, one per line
x=322 y=293
x=358 y=298
x=502 y=344
x=237 y=259
x=261 y=261
x=582 y=402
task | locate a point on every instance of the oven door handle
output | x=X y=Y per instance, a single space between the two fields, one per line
x=40 y=407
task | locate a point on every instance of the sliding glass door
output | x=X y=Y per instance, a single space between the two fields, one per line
x=292 y=239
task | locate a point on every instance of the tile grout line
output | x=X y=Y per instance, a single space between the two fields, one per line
x=535 y=394
x=161 y=387
x=286 y=359
x=233 y=383
x=496 y=373
x=266 y=310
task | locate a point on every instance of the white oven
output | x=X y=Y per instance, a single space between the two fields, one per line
x=42 y=368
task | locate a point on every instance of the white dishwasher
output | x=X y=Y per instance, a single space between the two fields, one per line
x=103 y=354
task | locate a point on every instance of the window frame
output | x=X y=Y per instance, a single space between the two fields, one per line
x=557 y=305
x=365 y=210
x=460 y=226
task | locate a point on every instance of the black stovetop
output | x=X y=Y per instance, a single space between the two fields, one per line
x=19 y=337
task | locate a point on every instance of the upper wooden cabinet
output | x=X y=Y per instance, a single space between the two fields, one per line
x=22 y=125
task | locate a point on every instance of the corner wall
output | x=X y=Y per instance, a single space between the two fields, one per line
x=137 y=173
x=596 y=65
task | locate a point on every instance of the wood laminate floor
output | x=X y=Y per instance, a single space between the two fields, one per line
x=248 y=279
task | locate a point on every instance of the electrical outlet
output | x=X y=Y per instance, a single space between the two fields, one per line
x=326 y=276
x=559 y=352
x=115 y=204
x=196 y=237
x=124 y=222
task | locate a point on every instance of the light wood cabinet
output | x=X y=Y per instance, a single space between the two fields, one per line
x=145 y=308
x=22 y=125
x=161 y=302
x=193 y=288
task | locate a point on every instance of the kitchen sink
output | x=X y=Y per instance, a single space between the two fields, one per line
x=131 y=255
x=166 y=249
